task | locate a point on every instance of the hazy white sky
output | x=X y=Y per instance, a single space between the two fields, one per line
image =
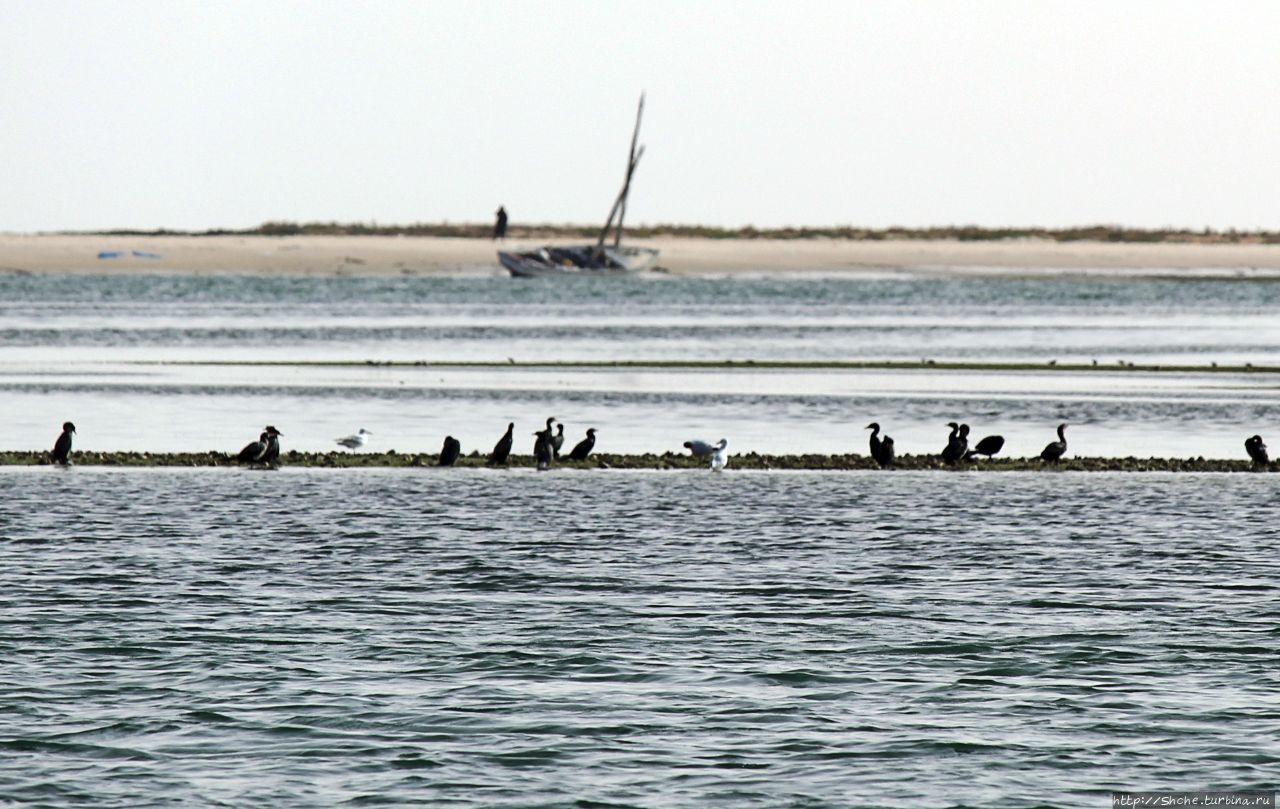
x=187 y=114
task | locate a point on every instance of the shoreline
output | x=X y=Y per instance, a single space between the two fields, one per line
x=749 y=461
x=693 y=257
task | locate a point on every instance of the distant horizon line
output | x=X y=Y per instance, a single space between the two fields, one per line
x=1096 y=232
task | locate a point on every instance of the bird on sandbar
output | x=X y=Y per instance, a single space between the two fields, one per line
x=502 y=449
x=253 y=451
x=878 y=446
x=957 y=443
x=699 y=449
x=450 y=451
x=557 y=440
x=354 y=442
x=719 y=458
x=62 y=447
x=542 y=452
x=988 y=446
x=272 y=456
x=583 y=448
x=1054 y=450
x=1257 y=450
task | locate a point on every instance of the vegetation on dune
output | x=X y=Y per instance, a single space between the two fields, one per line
x=965 y=233
x=665 y=461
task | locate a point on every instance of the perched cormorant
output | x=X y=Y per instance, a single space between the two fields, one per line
x=62 y=447
x=1257 y=450
x=557 y=440
x=550 y=437
x=719 y=458
x=272 y=455
x=584 y=447
x=355 y=441
x=253 y=452
x=450 y=451
x=503 y=448
x=877 y=446
x=542 y=452
x=957 y=443
x=1054 y=450
x=988 y=446
x=886 y=452
x=699 y=449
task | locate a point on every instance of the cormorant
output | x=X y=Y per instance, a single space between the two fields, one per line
x=254 y=451
x=584 y=447
x=503 y=448
x=542 y=452
x=719 y=458
x=699 y=449
x=886 y=452
x=550 y=436
x=877 y=446
x=1257 y=450
x=1054 y=450
x=557 y=440
x=355 y=441
x=957 y=443
x=62 y=447
x=988 y=446
x=450 y=451
x=272 y=455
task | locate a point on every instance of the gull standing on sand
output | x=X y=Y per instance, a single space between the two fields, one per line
x=62 y=447
x=354 y=442
x=719 y=459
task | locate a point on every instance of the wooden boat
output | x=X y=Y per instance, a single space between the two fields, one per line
x=599 y=259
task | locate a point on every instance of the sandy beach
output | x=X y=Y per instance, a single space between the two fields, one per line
x=351 y=255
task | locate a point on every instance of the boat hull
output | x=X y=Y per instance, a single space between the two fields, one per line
x=578 y=260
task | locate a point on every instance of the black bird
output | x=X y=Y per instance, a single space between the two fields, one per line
x=1257 y=450
x=988 y=446
x=886 y=452
x=1054 y=450
x=503 y=448
x=272 y=455
x=450 y=451
x=62 y=447
x=542 y=449
x=584 y=447
x=550 y=437
x=253 y=452
x=557 y=440
x=877 y=446
x=957 y=443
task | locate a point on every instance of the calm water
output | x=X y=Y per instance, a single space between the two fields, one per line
x=575 y=639
x=71 y=348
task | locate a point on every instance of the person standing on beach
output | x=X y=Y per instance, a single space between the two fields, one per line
x=500 y=226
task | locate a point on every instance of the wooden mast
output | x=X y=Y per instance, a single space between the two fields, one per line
x=620 y=204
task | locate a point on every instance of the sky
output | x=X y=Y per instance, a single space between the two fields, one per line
x=194 y=115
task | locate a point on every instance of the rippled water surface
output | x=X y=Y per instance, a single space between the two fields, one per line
x=463 y=638
x=98 y=350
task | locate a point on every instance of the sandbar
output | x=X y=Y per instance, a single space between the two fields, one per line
x=434 y=255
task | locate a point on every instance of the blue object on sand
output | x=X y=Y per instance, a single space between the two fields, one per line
x=145 y=254
x=110 y=254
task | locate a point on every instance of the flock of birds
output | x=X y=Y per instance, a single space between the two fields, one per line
x=550 y=440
